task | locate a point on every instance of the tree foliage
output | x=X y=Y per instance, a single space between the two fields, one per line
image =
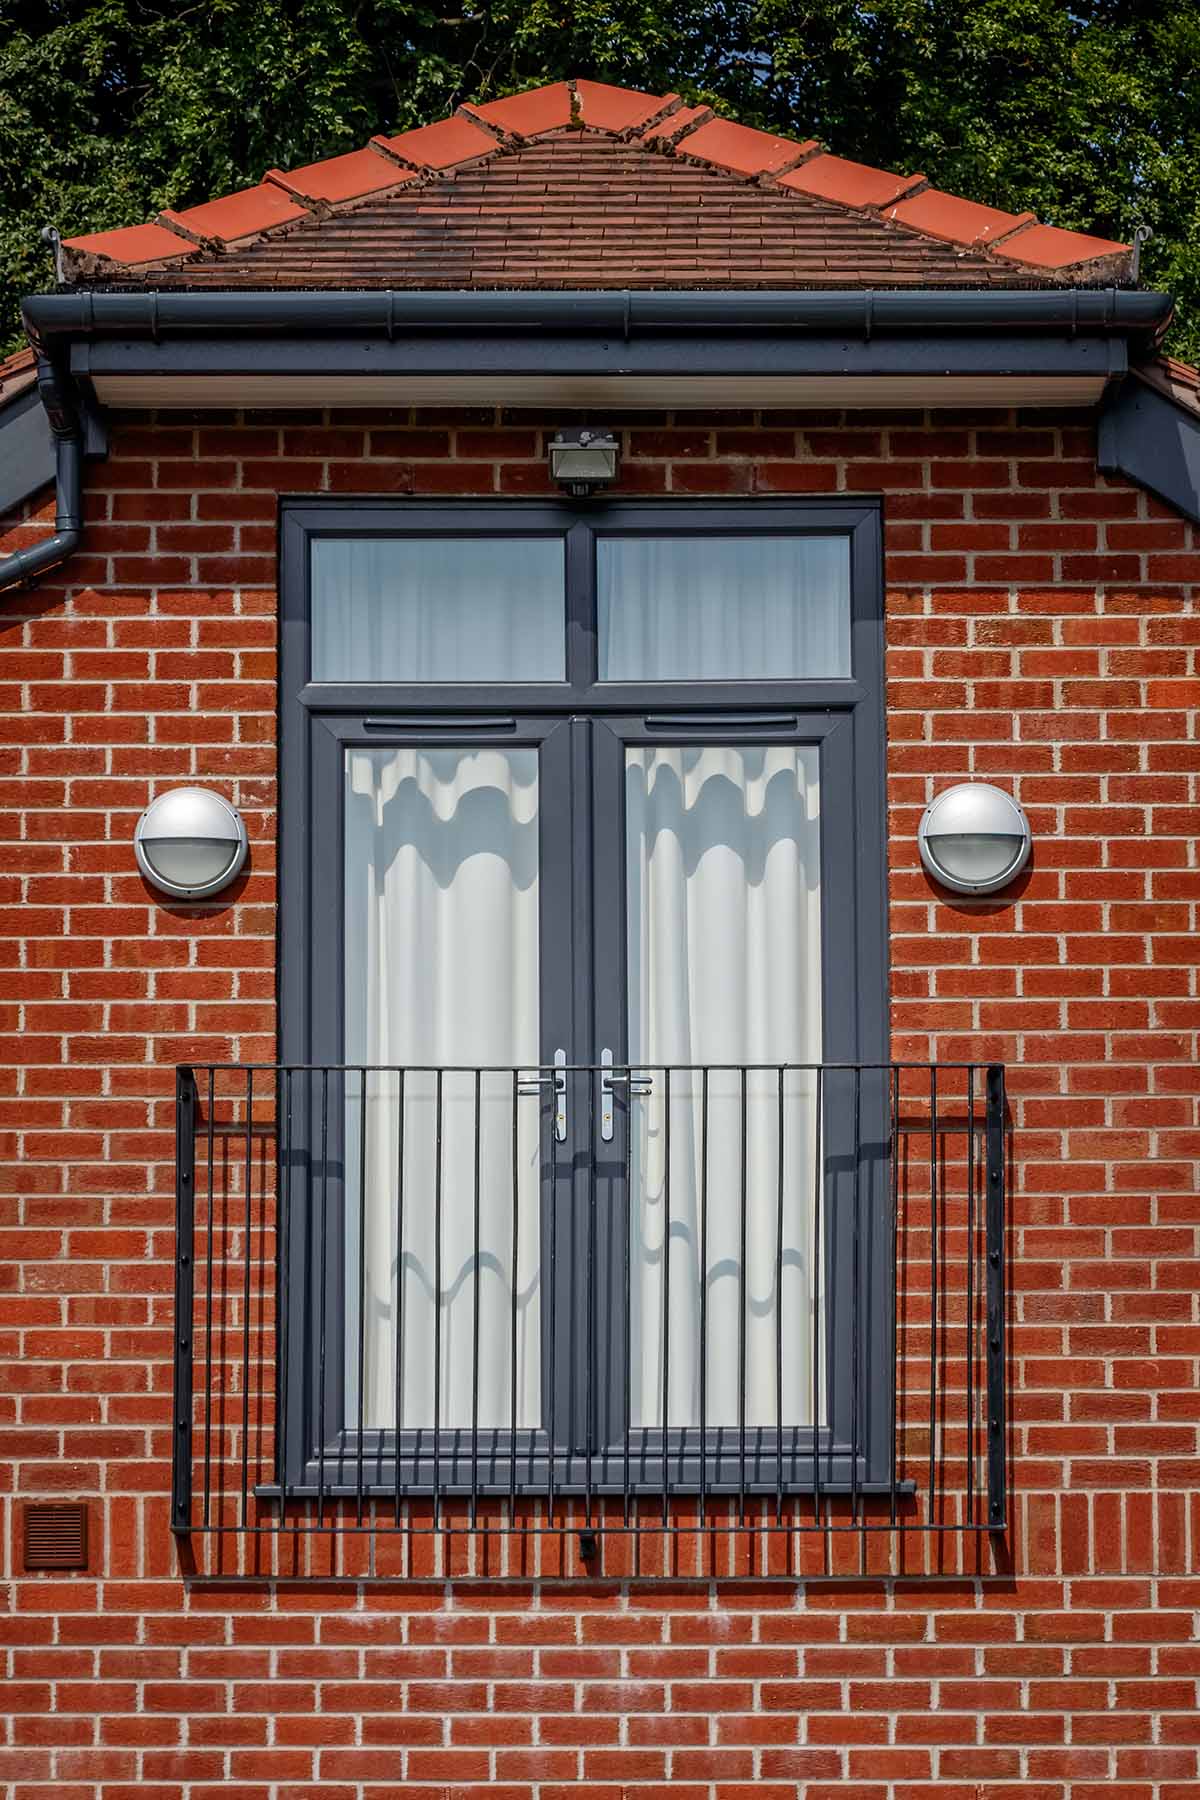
x=1086 y=112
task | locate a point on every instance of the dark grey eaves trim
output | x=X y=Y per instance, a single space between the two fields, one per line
x=26 y=451
x=1148 y=438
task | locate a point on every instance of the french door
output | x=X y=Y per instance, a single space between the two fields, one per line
x=580 y=969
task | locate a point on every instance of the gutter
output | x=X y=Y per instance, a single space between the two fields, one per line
x=24 y=567
x=52 y=319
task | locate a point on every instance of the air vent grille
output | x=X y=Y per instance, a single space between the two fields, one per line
x=56 y=1536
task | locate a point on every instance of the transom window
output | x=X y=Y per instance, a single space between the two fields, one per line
x=583 y=953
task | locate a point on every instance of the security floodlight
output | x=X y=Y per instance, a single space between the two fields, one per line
x=583 y=460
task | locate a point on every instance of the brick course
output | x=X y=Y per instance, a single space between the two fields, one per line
x=1041 y=632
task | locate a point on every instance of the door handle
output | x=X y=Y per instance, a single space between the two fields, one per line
x=639 y=1083
x=533 y=1084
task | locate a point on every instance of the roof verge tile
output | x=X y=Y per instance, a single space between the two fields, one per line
x=1050 y=247
x=616 y=109
x=850 y=183
x=953 y=220
x=237 y=216
x=349 y=177
x=444 y=145
x=744 y=151
x=526 y=115
x=133 y=246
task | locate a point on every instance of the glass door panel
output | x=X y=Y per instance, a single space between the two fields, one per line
x=441 y=973
x=723 y=958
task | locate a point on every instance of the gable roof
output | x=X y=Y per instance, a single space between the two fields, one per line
x=581 y=185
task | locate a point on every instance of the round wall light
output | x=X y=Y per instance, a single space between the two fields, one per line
x=190 y=843
x=974 y=838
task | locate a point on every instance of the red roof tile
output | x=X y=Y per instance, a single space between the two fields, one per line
x=130 y=246
x=604 y=108
x=744 y=151
x=508 y=193
x=1177 y=380
x=1049 y=247
x=542 y=109
x=348 y=177
x=237 y=216
x=445 y=145
x=953 y=220
x=676 y=125
x=18 y=373
x=851 y=183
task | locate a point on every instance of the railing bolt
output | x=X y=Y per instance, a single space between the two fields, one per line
x=994 y=1258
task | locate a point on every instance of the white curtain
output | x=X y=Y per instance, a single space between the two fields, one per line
x=723 y=609
x=724 y=967
x=441 y=966
x=438 y=609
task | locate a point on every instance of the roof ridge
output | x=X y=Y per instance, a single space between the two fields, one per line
x=476 y=132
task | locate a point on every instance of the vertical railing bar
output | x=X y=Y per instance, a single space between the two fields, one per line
x=437 y=1303
x=743 y=1289
x=627 y=1274
x=856 y=1309
x=779 y=1313
x=666 y=1298
x=704 y=1296
x=893 y=1365
x=512 y=1325
x=362 y=1295
x=933 y=1292
x=971 y=1439
x=185 y=1249
x=995 y=1202
x=552 y=1437
x=321 y=1299
x=589 y=1381
x=815 y=1280
x=208 y=1303
x=474 y=1501
x=246 y=1302
x=398 y=1397
x=283 y=1264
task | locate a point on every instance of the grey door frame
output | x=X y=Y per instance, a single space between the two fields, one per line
x=319 y=720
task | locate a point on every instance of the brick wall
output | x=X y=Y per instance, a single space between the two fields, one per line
x=1041 y=633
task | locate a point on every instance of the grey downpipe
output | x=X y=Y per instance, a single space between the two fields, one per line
x=52 y=319
x=25 y=566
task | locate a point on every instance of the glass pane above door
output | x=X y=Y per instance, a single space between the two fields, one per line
x=724 y=970
x=438 y=609
x=441 y=968
x=706 y=608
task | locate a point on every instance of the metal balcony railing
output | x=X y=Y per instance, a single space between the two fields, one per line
x=589 y=1319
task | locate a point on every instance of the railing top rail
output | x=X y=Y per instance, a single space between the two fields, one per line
x=588 y=1068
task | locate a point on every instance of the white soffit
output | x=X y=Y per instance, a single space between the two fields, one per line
x=279 y=392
